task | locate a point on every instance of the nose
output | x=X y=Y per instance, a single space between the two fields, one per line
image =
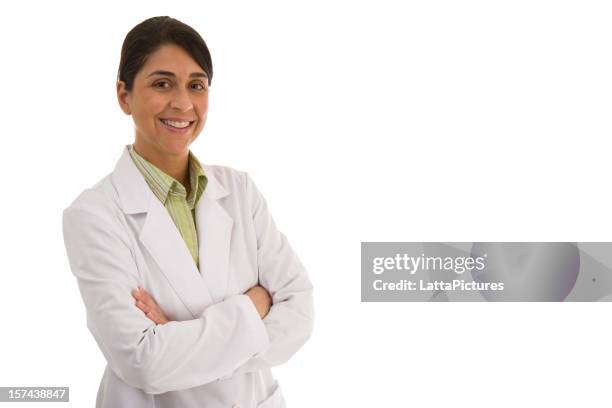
x=181 y=101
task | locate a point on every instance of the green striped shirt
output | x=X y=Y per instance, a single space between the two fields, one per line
x=173 y=196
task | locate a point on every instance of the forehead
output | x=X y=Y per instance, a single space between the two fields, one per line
x=170 y=57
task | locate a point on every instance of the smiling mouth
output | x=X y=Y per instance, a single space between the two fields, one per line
x=177 y=125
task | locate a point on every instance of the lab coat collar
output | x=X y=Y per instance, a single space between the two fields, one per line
x=197 y=289
x=135 y=194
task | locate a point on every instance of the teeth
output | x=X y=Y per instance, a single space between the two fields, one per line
x=180 y=125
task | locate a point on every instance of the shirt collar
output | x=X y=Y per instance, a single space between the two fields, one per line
x=163 y=185
x=197 y=180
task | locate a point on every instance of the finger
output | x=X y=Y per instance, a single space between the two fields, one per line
x=154 y=317
x=146 y=297
x=136 y=294
x=142 y=306
x=159 y=316
x=154 y=312
x=145 y=300
x=150 y=303
x=151 y=317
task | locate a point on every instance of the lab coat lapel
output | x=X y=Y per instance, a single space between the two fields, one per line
x=161 y=237
x=214 y=226
x=164 y=242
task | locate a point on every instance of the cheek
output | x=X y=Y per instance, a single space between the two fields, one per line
x=150 y=105
x=202 y=107
x=155 y=106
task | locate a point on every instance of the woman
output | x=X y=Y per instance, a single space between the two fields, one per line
x=191 y=292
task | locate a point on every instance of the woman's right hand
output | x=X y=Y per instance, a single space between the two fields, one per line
x=261 y=299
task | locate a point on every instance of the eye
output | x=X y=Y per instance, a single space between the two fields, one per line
x=198 y=86
x=161 y=84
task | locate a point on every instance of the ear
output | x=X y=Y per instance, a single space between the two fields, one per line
x=123 y=98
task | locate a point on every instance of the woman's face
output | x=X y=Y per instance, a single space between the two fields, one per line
x=168 y=102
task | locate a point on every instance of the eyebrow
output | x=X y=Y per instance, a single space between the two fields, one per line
x=172 y=74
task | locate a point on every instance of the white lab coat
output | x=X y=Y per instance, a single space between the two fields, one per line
x=216 y=351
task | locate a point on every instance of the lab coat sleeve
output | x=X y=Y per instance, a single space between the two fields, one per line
x=154 y=358
x=290 y=321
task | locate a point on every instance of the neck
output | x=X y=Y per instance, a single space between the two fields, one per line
x=176 y=166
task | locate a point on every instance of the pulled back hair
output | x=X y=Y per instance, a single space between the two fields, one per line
x=148 y=36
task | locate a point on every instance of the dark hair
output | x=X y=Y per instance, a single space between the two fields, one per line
x=145 y=38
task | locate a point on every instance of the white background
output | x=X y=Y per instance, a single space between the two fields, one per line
x=359 y=121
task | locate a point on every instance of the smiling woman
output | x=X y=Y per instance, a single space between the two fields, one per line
x=164 y=77
x=191 y=291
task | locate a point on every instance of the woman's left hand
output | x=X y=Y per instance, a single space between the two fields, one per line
x=145 y=302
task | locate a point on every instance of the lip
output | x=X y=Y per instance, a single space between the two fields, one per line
x=177 y=130
x=177 y=119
